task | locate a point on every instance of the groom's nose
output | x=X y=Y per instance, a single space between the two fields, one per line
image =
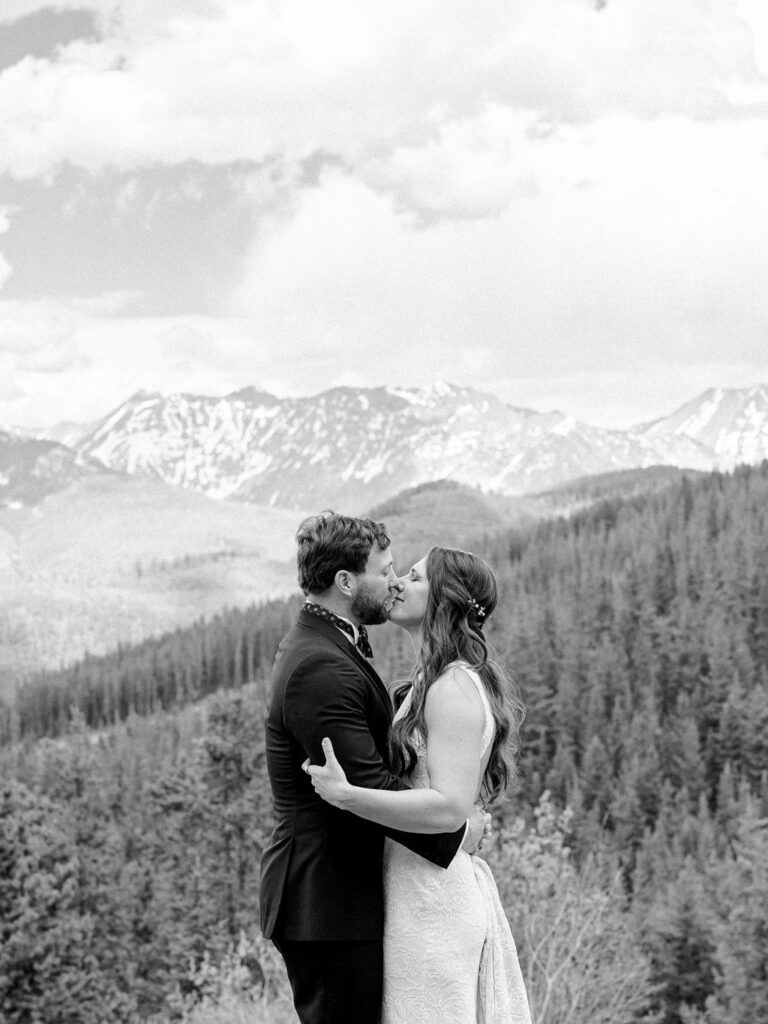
x=397 y=586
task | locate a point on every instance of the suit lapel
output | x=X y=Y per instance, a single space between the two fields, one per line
x=374 y=676
x=334 y=634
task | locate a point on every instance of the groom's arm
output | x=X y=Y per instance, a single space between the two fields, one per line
x=327 y=698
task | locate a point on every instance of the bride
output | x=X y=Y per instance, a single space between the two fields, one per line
x=449 y=956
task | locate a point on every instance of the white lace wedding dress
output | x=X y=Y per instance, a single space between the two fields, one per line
x=449 y=955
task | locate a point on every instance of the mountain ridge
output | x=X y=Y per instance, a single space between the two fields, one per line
x=354 y=447
x=730 y=422
x=32 y=468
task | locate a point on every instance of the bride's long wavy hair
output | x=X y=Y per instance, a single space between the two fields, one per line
x=462 y=596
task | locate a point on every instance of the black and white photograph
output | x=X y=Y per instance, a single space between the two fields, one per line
x=383 y=512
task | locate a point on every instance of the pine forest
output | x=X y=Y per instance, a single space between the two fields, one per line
x=633 y=861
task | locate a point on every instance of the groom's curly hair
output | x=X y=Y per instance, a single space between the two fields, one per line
x=462 y=595
x=331 y=541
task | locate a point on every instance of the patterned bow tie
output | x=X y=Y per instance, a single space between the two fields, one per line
x=363 y=643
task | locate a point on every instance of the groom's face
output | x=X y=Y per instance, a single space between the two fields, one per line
x=373 y=595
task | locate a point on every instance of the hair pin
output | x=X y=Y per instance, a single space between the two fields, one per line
x=478 y=608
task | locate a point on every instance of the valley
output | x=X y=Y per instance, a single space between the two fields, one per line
x=172 y=508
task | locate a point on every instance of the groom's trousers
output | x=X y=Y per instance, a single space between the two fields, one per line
x=335 y=982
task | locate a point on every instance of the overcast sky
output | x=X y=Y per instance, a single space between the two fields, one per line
x=564 y=202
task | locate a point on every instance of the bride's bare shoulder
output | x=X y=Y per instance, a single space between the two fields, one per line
x=455 y=692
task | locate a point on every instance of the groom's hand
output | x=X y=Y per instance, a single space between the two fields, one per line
x=479 y=828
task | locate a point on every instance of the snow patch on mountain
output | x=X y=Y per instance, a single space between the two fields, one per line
x=730 y=424
x=351 y=447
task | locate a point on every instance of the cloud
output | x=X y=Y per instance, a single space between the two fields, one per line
x=642 y=247
x=64 y=360
x=53 y=358
x=187 y=348
x=218 y=82
x=39 y=338
x=525 y=196
x=5 y=267
x=9 y=392
x=41 y=33
x=172 y=236
x=474 y=167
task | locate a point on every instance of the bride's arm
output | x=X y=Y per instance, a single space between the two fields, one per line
x=455 y=717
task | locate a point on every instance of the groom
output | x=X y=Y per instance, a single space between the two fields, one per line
x=321 y=872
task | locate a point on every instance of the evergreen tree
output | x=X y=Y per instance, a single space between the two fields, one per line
x=49 y=967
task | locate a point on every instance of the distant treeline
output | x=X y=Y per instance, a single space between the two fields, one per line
x=160 y=673
x=637 y=631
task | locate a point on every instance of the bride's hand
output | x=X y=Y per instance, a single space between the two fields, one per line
x=329 y=780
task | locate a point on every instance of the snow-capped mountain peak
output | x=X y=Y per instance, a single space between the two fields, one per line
x=253 y=394
x=731 y=423
x=351 y=447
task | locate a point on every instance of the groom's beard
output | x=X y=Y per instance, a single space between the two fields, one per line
x=368 y=609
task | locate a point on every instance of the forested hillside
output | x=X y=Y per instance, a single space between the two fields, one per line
x=633 y=863
x=164 y=672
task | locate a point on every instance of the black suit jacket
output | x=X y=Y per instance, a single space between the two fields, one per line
x=321 y=872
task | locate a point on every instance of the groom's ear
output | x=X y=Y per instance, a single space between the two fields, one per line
x=344 y=582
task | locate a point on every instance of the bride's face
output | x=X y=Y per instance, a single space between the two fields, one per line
x=410 y=605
